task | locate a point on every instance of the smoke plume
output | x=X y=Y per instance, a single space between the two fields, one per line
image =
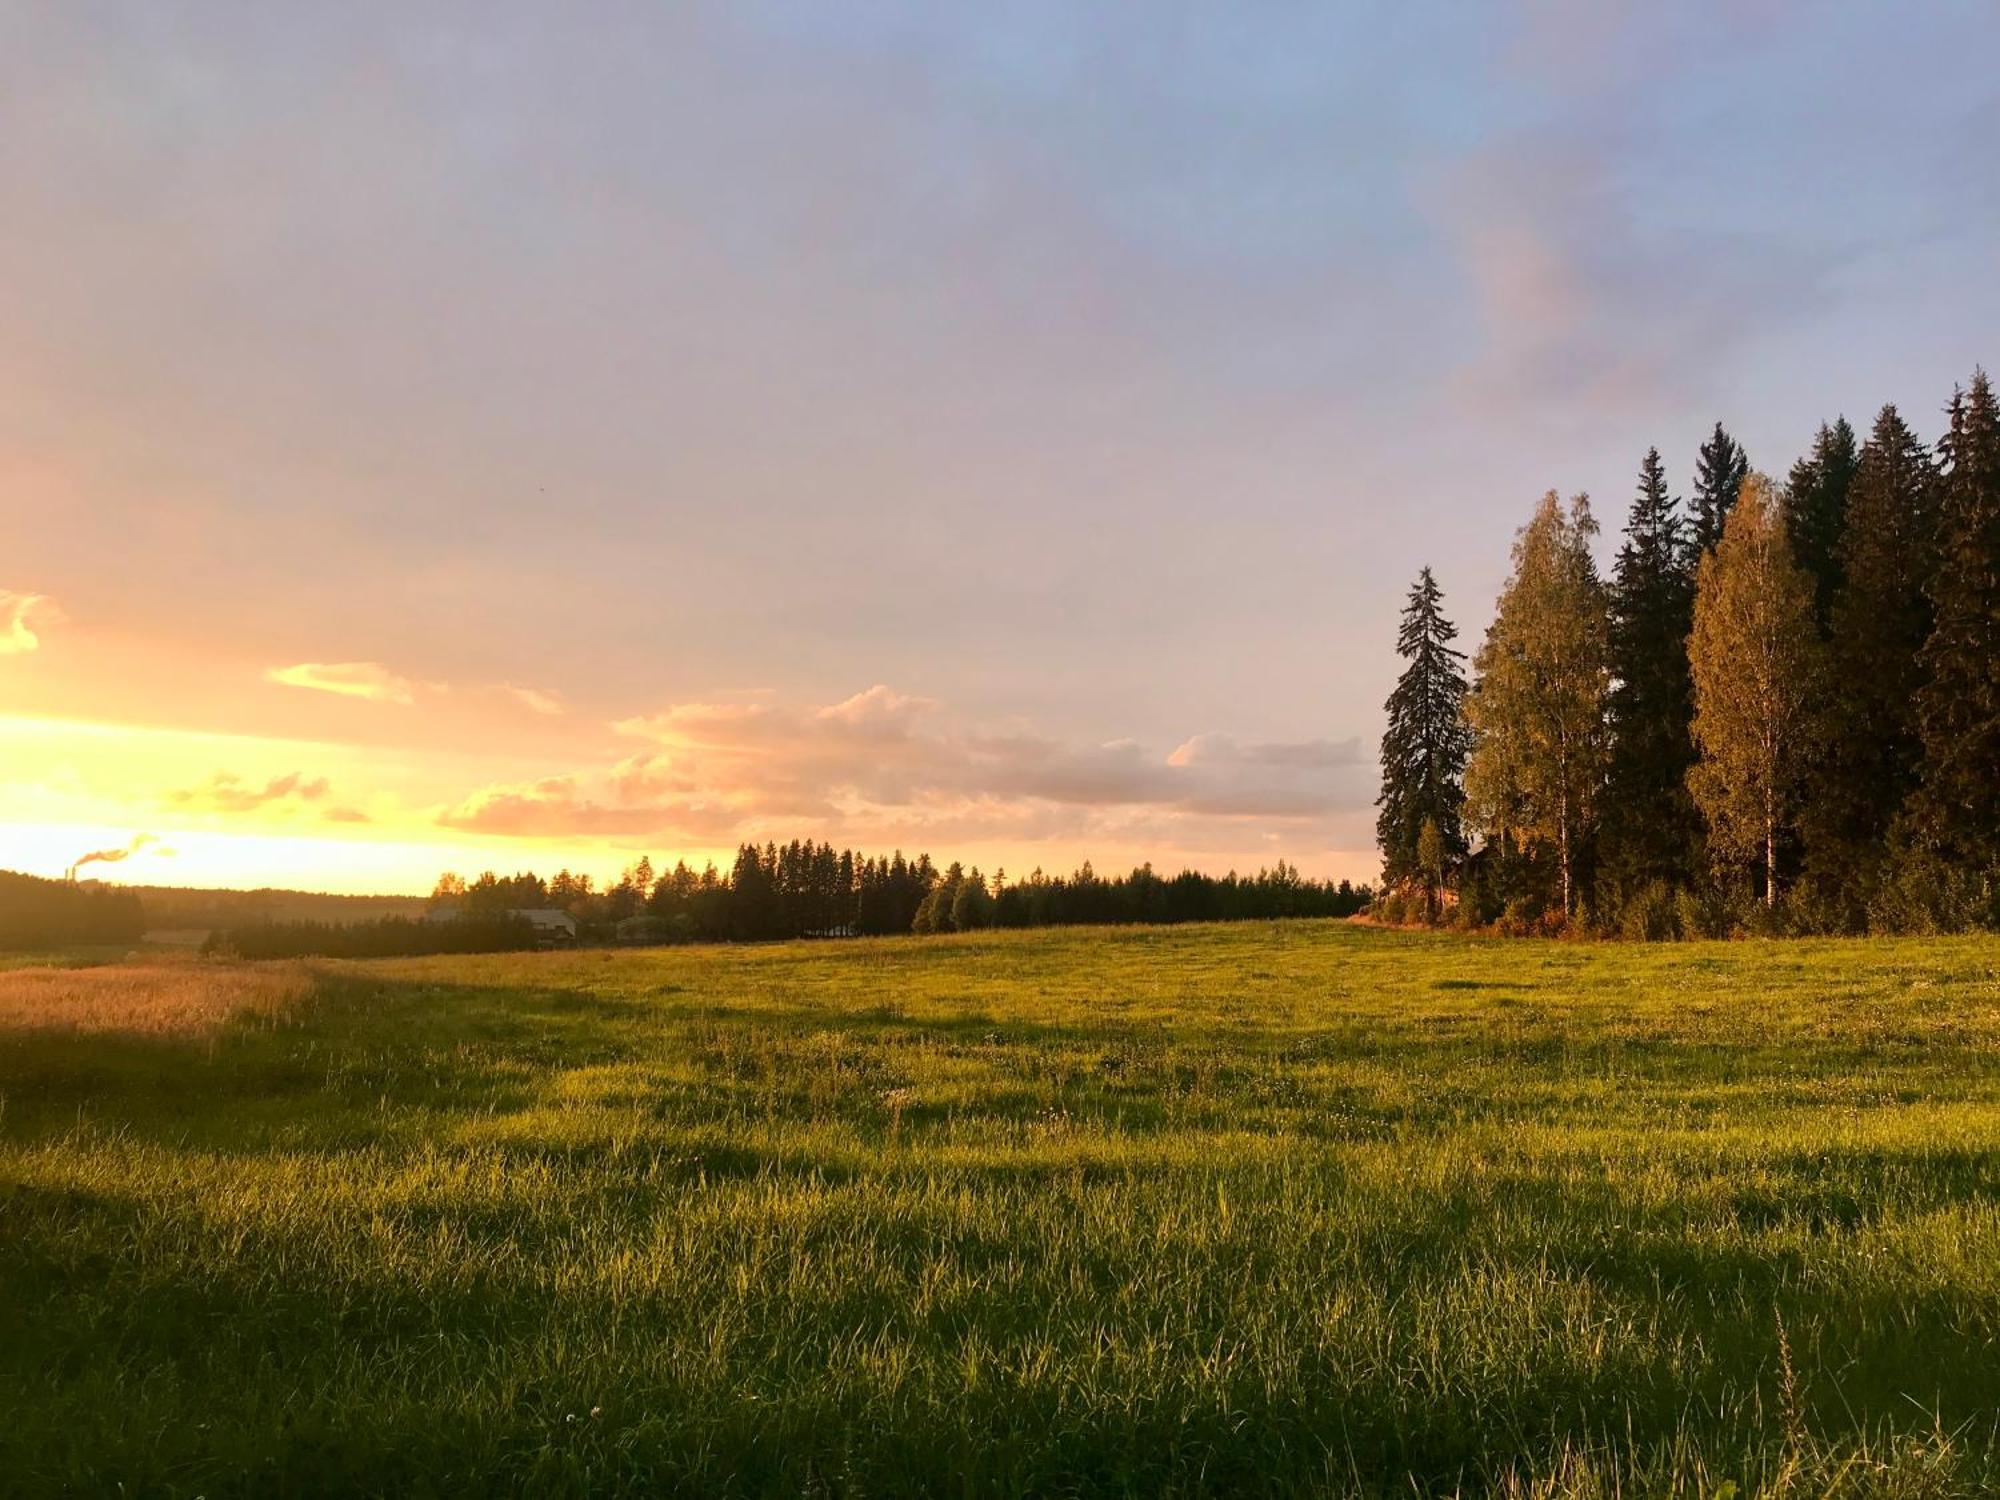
x=113 y=856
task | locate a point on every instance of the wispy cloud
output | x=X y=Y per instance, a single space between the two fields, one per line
x=1585 y=301
x=351 y=679
x=535 y=699
x=19 y=613
x=227 y=792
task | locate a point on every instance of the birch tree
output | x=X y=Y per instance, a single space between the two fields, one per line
x=1754 y=654
x=1538 y=710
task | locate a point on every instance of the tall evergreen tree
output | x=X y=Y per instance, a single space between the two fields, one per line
x=1754 y=659
x=1651 y=830
x=1816 y=512
x=1424 y=747
x=1870 y=746
x=1537 y=711
x=1719 y=471
x=1957 y=809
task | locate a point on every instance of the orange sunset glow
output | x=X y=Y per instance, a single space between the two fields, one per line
x=420 y=452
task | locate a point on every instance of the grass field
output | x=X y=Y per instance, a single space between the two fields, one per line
x=1263 y=1208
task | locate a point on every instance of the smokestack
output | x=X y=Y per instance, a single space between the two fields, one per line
x=111 y=856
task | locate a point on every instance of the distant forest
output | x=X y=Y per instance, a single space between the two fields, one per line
x=1780 y=714
x=37 y=913
x=797 y=890
x=801 y=889
x=804 y=889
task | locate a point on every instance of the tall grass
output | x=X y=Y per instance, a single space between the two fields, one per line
x=164 y=997
x=1275 y=1209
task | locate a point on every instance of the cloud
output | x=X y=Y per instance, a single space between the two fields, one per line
x=227 y=792
x=564 y=806
x=352 y=679
x=878 y=711
x=883 y=762
x=17 y=611
x=1226 y=750
x=535 y=699
x=1585 y=301
x=346 y=815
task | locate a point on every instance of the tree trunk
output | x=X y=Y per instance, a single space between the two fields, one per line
x=1563 y=830
x=1770 y=855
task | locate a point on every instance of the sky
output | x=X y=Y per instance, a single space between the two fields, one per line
x=510 y=436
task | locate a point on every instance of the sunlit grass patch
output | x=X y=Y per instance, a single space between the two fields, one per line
x=1281 y=1209
x=166 y=997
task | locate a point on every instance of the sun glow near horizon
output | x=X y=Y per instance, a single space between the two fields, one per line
x=248 y=810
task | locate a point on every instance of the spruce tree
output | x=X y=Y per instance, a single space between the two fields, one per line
x=1816 y=512
x=1536 y=770
x=1754 y=657
x=1719 y=471
x=1957 y=809
x=1651 y=831
x=1424 y=747
x=1870 y=749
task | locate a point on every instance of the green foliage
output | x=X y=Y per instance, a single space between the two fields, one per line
x=1957 y=809
x=1651 y=831
x=1650 y=914
x=1425 y=744
x=1718 y=907
x=1870 y=753
x=1273 y=1209
x=1816 y=498
x=1433 y=866
x=1822 y=704
x=1719 y=471
x=1538 y=708
x=1755 y=660
x=1921 y=894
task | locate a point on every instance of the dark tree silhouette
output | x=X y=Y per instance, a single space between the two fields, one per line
x=1425 y=745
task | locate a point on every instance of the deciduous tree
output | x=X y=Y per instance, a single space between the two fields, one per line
x=1754 y=655
x=1537 y=710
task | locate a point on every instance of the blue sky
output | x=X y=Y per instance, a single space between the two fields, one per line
x=1090 y=380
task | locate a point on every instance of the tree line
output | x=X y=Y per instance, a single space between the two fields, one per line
x=1781 y=711
x=38 y=913
x=807 y=889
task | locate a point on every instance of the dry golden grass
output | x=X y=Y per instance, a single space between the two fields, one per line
x=165 y=998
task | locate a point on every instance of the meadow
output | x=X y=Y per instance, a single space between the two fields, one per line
x=1291 y=1208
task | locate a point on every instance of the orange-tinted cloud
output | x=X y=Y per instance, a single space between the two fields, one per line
x=567 y=807
x=535 y=699
x=352 y=679
x=227 y=792
x=882 y=759
x=18 y=613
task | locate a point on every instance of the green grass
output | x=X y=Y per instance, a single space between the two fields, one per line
x=1261 y=1208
